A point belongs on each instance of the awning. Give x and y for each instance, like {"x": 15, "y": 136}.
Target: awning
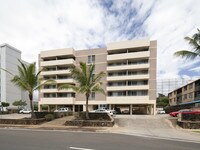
{"x": 193, "y": 102}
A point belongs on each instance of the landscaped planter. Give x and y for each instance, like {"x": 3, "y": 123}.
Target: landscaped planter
{"x": 56, "y": 114}
{"x": 189, "y": 121}
{"x": 22, "y": 121}
{"x": 96, "y": 120}
{"x": 91, "y": 123}
{"x": 189, "y": 124}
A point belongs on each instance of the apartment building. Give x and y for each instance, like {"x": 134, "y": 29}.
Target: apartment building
{"x": 130, "y": 83}
{"x": 9, "y": 60}
{"x": 187, "y": 94}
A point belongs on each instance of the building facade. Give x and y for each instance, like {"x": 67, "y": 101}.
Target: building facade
{"x": 187, "y": 94}
{"x": 130, "y": 84}
{"x": 9, "y": 57}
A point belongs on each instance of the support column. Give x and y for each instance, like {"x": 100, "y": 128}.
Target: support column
{"x": 39, "y": 107}
{"x": 73, "y": 108}
{"x": 131, "y": 109}
{"x": 48, "y": 108}
{"x": 84, "y": 108}
{"x": 56, "y": 107}
{"x": 154, "y": 109}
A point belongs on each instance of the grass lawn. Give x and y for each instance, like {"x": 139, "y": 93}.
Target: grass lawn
{"x": 197, "y": 131}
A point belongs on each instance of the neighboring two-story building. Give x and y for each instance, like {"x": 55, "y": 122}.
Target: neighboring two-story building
{"x": 130, "y": 84}
{"x": 187, "y": 94}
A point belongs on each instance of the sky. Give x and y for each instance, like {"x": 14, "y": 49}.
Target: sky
{"x": 35, "y": 25}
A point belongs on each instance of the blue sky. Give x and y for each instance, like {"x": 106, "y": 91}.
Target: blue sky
{"x": 32, "y": 26}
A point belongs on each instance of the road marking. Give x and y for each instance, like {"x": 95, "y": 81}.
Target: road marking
{"x": 78, "y": 148}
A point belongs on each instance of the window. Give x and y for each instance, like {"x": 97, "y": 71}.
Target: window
{"x": 91, "y": 59}
{"x": 132, "y": 93}
{"x": 190, "y": 86}
{"x": 185, "y": 88}
{"x": 92, "y": 96}
{"x": 185, "y": 96}
{"x": 190, "y": 95}
{"x": 48, "y": 95}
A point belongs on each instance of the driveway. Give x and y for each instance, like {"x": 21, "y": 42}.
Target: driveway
{"x": 15, "y": 116}
{"x": 157, "y": 126}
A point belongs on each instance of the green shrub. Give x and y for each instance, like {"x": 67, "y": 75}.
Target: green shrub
{"x": 49, "y": 117}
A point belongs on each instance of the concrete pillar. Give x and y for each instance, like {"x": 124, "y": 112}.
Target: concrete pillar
{"x": 39, "y": 108}
{"x": 154, "y": 109}
{"x": 56, "y": 107}
{"x": 73, "y": 108}
{"x": 110, "y": 107}
{"x": 131, "y": 109}
{"x": 48, "y": 108}
{"x": 84, "y": 107}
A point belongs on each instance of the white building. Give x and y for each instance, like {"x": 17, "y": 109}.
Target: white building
{"x": 9, "y": 93}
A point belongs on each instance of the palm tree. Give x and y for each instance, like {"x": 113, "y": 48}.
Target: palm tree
{"x": 28, "y": 80}
{"x": 194, "y": 42}
{"x": 86, "y": 81}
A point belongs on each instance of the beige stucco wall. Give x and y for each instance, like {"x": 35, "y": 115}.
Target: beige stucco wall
{"x": 100, "y": 65}
{"x": 129, "y": 44}
{"x": 57, "y": 52}
{"x": 101, "y": 59}
{"x": 152, "y": 70}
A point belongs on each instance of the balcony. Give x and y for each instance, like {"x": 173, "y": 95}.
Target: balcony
{"x": 57, "y": 100}
{"x": 124, "y": 88}
{"x": 132, "y": 55}
{"x": 127, "y": 77}
{"x": 54, "y": 72}
{"x": 55, "y": 90}
{"x": 129, "y": 100}
{"x": 57, "y": 62}
{"x": 126, "y": 67}
{"x": 70, "y": 80}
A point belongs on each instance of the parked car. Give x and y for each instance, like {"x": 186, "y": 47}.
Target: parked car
{"x": 64, "y": 109}
{"x": 117, "y": 110}
{"x": 103, "y": 111}
{"x": 161, "y": 112}
{"x": 25, "y": 111}
{"x": 126, "y": 111}
{"x": 184, "y": 111}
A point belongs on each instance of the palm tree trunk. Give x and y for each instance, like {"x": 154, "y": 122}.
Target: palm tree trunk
{"x": 31, "y": 103}
{"x": 87, "y": 114}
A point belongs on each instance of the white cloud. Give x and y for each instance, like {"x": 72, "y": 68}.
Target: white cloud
{"x": 169, "y": 22}
{"x": 32, "y": 26}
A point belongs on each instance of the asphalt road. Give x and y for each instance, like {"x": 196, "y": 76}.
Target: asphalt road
{"x": 58, "y": 140}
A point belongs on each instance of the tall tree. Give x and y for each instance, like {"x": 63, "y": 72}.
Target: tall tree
{"x": 86, "y": 81}
{"x": 28, "y": 79}
{"x": 194, "y": 42}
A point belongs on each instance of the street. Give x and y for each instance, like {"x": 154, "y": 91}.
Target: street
{"x": 59, "y": 140}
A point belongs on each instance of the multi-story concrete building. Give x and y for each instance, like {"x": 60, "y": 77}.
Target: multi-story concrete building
{"x": 130, "y": 83}
{"x": 9, "y": 60}
{"x": 187, "y": 94}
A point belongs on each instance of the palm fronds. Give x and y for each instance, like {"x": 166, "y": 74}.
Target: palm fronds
{"x": 186, "y": 54}
{"x": 194, "y": 42}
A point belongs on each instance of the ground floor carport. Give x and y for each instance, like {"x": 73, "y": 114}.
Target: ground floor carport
{"x": 142, "y": 109}
{"x": 51, "y": 108}
{"x": 146, "y": 109}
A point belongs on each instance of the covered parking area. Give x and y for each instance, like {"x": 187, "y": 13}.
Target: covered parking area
{"x": 133, "y": 109}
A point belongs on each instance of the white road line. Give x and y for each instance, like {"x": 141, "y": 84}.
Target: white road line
{"x": 78, "y": 148}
